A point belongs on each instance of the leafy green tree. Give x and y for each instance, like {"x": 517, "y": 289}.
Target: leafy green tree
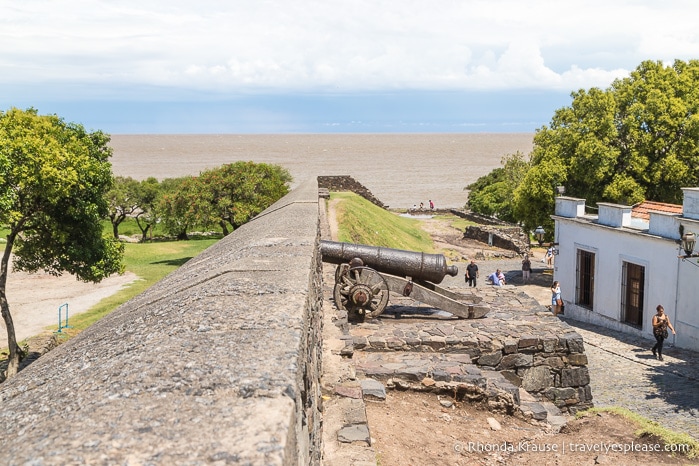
{"x": 181, "y": 206}
{"x": 53, "y": 180}
{"x": 492, "y": 194}
{"x": 123, "y": 201}
{"x": 236, "y": 192}
{"x": 146, "y": 216}
{"x": 638, "y": 139}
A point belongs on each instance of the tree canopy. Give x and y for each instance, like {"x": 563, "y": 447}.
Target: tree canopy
{"x": 636, "y": 140}
{"x": 53, "y": 180}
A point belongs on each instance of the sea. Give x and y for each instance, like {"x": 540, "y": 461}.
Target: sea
{"x": 402, "y": 170}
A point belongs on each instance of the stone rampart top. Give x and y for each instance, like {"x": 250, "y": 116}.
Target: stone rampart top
{"x": 204, "y": 367}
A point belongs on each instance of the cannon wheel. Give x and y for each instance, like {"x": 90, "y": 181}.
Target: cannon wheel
{"x": 360, "y": 290}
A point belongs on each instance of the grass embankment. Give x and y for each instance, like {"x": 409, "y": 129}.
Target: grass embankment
{"x": 361, "y": 222}
{"x": 648, "y": 428}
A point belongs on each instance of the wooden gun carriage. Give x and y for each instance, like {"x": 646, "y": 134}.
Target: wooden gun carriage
{"x": 366, "y": 275}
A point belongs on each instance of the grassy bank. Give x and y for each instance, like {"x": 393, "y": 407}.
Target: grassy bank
{"x": 360, "y": 221}
{"x": 646, "y": 428}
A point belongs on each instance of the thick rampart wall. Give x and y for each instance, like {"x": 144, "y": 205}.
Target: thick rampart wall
{"x": 219, "y": 363}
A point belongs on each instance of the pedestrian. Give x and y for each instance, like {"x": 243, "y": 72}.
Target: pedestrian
{"x": 422, "y": 206}
{"x": 661, "y": 322}
{"x": 556, "y": 301}
{"x": 526, "y": 268}
{"x": 549, "y": 257}
{"x": 471, "y": 273}
{"x": 431, "y": 205}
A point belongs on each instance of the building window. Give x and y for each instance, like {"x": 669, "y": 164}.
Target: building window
{"x": 632, "y": 286}
{"x": 585, "y": 279}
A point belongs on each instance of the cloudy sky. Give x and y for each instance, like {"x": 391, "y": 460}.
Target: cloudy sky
{"x": 250, "y": 66}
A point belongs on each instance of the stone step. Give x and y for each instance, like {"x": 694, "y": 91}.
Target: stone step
{"x": 454, "y": 373}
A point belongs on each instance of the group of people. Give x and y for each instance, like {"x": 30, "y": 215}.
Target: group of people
{"x": 661, "y": 322}
{"x": 422, "y": 205}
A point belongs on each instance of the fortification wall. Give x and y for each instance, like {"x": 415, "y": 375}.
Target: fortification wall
{"x": 347, "y": 183}
{"x": 217, "y": 363}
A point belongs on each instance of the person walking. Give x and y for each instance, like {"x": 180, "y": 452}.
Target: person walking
{"x": 471, "y": 273}
{"x": 526, "y": 268}
{"x": 556, "y": 301}
{"x": 661, "y": 322}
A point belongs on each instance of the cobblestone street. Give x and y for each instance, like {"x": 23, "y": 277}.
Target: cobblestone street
{"x": 623, "y": 372}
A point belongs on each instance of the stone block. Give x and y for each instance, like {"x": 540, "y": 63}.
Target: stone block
{"x": 512, "y": 377}
{"x": 490, "y": 359}
{"x": 354, "y": 433}
{"x": 554, "y": 362}
{"x": 510, "y": 361}
{"x": 373, "y": 389}
{"x": 577, "y": 359}
{"x": 585, "y": 394}
{"x": 560, "y": 394}
{"x": 575, "y": 377}
{"x": 534, "y": 410}
{"x": 550, "y": 344}
{"x": 510, "y": 346}
{"x": 574, "y": 342}
{"x": 527, "y": 341}
{"x": 537, "y": 378}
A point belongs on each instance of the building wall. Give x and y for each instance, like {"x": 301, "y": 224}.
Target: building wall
{"x": 668, "y": 280}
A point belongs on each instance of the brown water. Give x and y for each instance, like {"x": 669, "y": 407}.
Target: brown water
{"x": 400, "y": 169}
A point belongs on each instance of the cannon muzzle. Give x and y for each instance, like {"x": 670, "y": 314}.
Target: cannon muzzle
{"x": 417, "y": 265}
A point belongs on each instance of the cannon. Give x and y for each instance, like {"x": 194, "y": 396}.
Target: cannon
{"x": 366, "y": 275}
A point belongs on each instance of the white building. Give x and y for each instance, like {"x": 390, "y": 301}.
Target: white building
{"x": 615, "y": 268}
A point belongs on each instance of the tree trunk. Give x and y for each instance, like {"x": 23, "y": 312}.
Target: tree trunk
{"x": 115, "y": 230}
{"x": 224, "y": 227}
{"x": 144, "y": 231}
{"x": 15, "y": 351}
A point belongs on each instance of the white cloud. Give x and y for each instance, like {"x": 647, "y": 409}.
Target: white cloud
{"x": 279, "y": 45}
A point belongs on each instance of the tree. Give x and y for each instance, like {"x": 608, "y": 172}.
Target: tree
{"x": 181, "y": 205}
{"x": 146, "y": 217}
{"x": 123, "y": 201}
{"x": 637, "y": 140}
{"x": 492, "y": 194}
{"x": 236, "y": 192}
{"x": 53, "y": 180}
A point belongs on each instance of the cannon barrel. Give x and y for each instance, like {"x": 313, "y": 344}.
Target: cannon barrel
{"x": 417, "y": 265}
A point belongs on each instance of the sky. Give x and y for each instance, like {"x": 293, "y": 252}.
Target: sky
{"x": 326, "y": 66}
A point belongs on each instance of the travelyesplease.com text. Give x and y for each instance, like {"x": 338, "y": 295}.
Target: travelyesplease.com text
{"x": 567, "y": 447}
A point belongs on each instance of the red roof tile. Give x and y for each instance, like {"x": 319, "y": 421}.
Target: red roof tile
{"x": 642, "y": 209}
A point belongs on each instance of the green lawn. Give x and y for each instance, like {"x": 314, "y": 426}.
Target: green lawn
{"x": 151, "y": 262}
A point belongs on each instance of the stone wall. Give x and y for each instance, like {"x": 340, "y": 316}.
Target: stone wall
{"x": 511, "y": 238}
{"x": 218, "y": 363}
{"x": 347, "y": 183}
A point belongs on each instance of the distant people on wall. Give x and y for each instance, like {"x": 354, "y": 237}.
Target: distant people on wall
{"x": 526, "y": 268}
{"x": 471, "y": 273}
{"x": 556, "y": 300}
{"x": 422, "y": 206}
{"x": 431, "y": 205}
{"x": 661, "y": 323}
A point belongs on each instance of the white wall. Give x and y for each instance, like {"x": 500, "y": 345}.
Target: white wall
{"x": 612, "y": 247}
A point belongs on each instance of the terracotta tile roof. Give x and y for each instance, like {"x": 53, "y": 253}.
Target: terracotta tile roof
{"x": 642, "y": 209}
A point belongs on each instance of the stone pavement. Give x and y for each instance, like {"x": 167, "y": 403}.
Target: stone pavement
{"x": 624, "y": 373}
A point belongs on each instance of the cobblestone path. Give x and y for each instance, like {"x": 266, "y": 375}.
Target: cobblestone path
{"x": 623, "y": 372}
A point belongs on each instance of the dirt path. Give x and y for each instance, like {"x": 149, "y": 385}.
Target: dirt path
{"x": 35, "y": 298}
